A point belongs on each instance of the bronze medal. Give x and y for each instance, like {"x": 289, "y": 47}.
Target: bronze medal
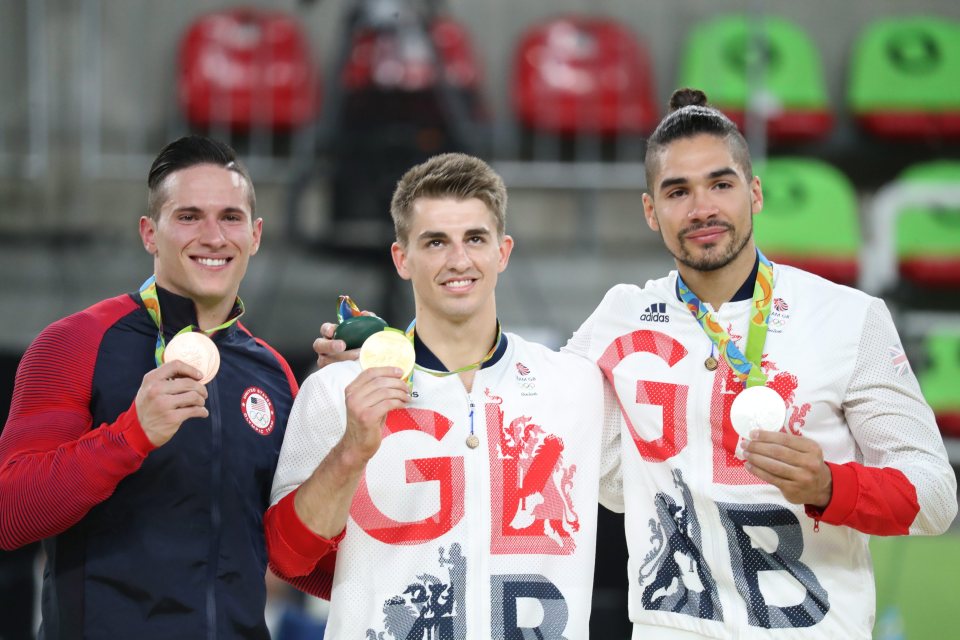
{"x": 197, "y": 350}
{"x": 710, "y": 363}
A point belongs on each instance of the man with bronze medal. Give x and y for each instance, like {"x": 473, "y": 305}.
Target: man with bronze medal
{"x": 145, "y": 430}
{"x": 446, "y": 484}
{"x": 766, "y": 432}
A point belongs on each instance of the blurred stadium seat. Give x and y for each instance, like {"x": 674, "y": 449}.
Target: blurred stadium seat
{"x": 939, "y": 379}
{"x": 246, "y": 68}
{"x": 903, "y": 78}
{"x": 916, "y": 583}
{"x": 809, "y": 217}
{"x": 580, "y": 74}
{"x": 928, "y": 238}
{"x": 725, "y": 56}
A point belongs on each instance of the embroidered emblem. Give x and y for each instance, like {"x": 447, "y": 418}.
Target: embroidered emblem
{"x": 257, "y": 410}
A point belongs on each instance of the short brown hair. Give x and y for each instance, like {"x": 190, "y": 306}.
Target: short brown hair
{"x": 449, "y": 175}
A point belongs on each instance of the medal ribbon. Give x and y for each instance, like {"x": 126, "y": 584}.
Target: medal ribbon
{"x": 347, "y": 308}
{"x": 745, "y": 367}
{"x": 148, "y": 293}
{"x": 469, "y": 367}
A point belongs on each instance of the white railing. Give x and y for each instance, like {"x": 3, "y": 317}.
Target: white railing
{"x": 878, "y": 256}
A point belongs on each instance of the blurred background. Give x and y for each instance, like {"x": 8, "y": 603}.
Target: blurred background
{"x": 851, "y": 109}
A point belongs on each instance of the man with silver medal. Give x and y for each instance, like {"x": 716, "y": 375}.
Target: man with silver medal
{"x": 766, "y": 432}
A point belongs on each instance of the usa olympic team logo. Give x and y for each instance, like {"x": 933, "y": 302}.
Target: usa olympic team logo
{"x": 257, "y": 410}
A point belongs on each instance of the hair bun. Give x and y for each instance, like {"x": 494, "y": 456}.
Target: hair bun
{"x": 686, "y": 97}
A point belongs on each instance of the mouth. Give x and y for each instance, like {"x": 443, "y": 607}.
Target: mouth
{"x": 706, "y": 235}
{"x": 211, "y": 263}
{"x": 458, "y": 284}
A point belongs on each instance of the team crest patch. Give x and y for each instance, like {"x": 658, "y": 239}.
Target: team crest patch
{"x": 779, "y": 315}
{"x": 257, "y": 410}
{"x": 526, "y": 380}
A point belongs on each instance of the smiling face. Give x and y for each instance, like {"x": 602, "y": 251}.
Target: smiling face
{"x": 453, "y": 256}
{"x": 203, "y": 236}
{"x": 702, "y": 203}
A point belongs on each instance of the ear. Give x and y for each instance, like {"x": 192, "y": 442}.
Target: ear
{"x": 506, "y": 248}
{"x": 257, "y": 231}
{"x": 148, "y": 234}
{"x": 756, "y": 195}
{"x": 399, "y": 256}
{"x": 649, "y": 213}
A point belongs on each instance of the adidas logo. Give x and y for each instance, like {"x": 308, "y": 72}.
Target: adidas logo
{"x": 656, "y": 313}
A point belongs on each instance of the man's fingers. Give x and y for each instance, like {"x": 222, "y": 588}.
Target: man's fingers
{"x": 329, "y": 351}
{"x": 327, "y": 329}
{"x": 174, "y": 387}
{"x": 765, "y": 476}
{"x": 772, "y": 467}
{"x": 779, "y": 452}
{"x": 177, "y": 369}
{"x": 375, "y": 391}
{"x": 788, "y": 440}
{"x": 328, "y": 347}
{"x": 188, "y": 399}
{"x": 183, "y": 414}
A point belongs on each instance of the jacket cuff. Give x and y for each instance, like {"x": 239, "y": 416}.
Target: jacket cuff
{"x": 843, "y": 500}
{"x": 129, "y": 425}
{"x": 298, "y": 536}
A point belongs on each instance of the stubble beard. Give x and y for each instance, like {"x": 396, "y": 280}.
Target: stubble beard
{"x": 710, "y": 260}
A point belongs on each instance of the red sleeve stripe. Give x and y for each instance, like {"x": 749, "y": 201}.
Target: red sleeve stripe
{"x": 291, "y": 379}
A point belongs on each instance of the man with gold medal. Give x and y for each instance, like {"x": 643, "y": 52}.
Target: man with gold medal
{"x": 144, "y": 431}
{"x": 766, "y": 432}
{"x": 446, "y": 485}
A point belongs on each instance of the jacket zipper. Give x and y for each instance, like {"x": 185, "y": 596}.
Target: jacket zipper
{"x": 216, "y": 473}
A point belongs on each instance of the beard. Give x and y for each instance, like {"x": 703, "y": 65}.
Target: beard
{"x": 714, "y": 256}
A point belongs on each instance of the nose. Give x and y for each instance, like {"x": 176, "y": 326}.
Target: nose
{"x": 458, "y": 257}
{"x": 211, "y": 234}
{"x": 702, "y": 207}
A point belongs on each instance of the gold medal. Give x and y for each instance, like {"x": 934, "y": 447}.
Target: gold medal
{"x": 388, "y": 348}
{"x": 473, "y": 441}
{"x": 197, "y": 350}
{"x": 710, "y": 363}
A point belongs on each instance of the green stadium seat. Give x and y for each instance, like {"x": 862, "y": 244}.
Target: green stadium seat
{"x": 809, "y": 218}
{"x": 917, "y": 585}
{"x": 940, "y": 379}
{"x": 928, "y": 238}
{"x": 720, "y": 54}
{"x": 904, "y": 78}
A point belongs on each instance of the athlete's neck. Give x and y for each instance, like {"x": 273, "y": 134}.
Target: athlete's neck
{"x": 210, "y": 317}
{"x": 719, "y": 285}
{"x": 458, "y": 343}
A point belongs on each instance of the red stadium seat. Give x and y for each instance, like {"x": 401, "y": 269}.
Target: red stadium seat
{"x": 583, "y": 75}
{"x": 247, "y": 67}
{"x": 388, "y": 61}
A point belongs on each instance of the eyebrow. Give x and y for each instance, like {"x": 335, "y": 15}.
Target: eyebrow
{"x": 195, "y": 209}
{"x": 440, "y": 235}
{"x": 713, "y": 175}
